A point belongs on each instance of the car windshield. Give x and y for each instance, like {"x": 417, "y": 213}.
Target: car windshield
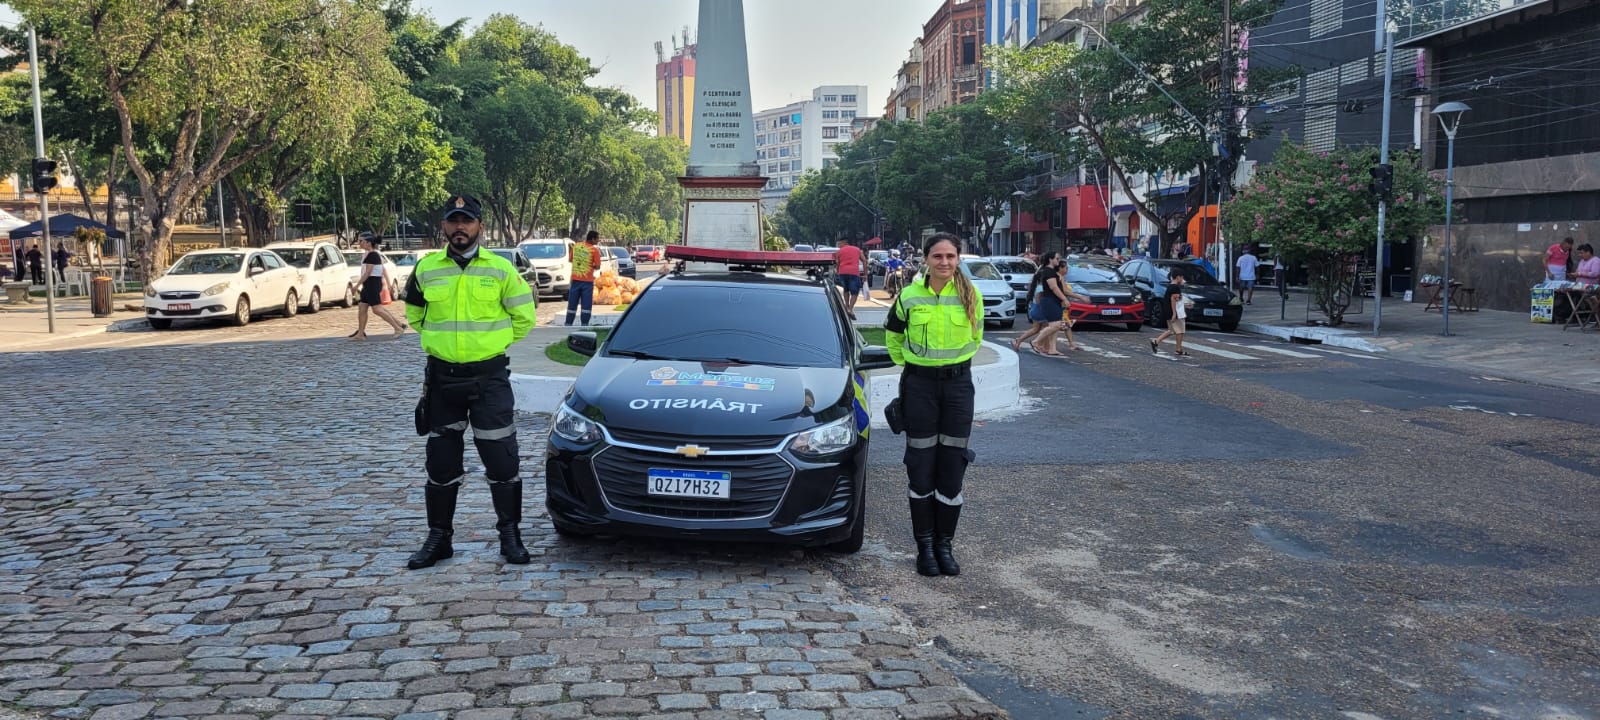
{"x": 298, "y": 257}
{"x": 354, "y": 257}
{"x": 1090, "y": 273}
{"x": 543, "y": 251}
{"x": 208, "y": 264}
{"x": 507, "y": 253}
{"x": 403, "y": 259}
{"x": 1192, "y": 274}
{"x": 1015, "y": 267}
{"x": 617, "y": 252}
{"x": 982, "y": 270}
{"x": 753, "y": 324}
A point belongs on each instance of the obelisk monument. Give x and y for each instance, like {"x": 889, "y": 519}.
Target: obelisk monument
{"x": 722, "y": 187}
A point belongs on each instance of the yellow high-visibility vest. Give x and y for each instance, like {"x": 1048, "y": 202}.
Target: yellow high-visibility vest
{"x": 470, "y": 313}
{"x": 932, "y": 329}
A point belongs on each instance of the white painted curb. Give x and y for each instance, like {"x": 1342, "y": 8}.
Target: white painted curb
{"x": 998, "y": 386}
{"x": 1332, "y": 337}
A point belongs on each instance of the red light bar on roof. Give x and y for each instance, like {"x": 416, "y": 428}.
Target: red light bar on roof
{"x": 749, "y": 258}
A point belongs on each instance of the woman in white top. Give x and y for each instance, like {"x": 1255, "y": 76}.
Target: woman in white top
{"x": 371, "y": 285}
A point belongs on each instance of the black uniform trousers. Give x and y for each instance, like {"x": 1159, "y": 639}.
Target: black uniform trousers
{"x": 476, "y": 394}
{"x": 937, "y": 406}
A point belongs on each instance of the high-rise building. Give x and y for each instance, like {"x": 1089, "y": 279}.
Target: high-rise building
{"x": 800, "y": 136}
{"x": 675, "y": 89}
{"x": 952, "y": 54}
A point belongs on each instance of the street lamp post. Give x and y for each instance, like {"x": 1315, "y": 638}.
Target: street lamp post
{"x": 876, "y": 216}
{"x": 1449, "y": 115}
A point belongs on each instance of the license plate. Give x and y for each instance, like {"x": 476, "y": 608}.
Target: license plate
{"x": 1111, "y": 311}
{"x": 178, "y": 306}
{"x": 1212, "y": 312}
{"x": 688, "y": 483}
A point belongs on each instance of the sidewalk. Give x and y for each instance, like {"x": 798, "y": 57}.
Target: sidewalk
{"x": 26, "y": 325}
{"x": 1495, "y": 343}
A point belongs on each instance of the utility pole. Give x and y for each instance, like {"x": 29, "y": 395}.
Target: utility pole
{"x": 44, "y": 197}
{"x": 1385, "y": 172}
{"x": 344, "y": 208}
{"x": 222, "y": 219}
{"x": 1224, "y": 182}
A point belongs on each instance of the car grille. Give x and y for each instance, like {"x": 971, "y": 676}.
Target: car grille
{"x": 672, "y": 440}
{"x": 991, "y": 302}
{"x": 179, "y": 295}
{"x": 195, "y": 311}
{"x": 759, "y": 482}
{"x": 1113, "y": 301}
{"x": 545, "y": 278}
{"x": 1019, "y": 286}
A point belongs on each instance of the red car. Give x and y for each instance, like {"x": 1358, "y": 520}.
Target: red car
{"x": 647, "y": 253}
{"x": 1111, "y": 299}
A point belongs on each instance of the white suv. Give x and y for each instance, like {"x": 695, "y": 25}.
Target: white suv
{"x": 324, "y": 275}
{"x": 552, "y": 269}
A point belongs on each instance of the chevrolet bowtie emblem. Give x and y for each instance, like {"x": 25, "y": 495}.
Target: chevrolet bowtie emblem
{"x": 691, "y": 451}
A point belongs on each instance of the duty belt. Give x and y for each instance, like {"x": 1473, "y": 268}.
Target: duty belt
{"x": 471, "y": 369}
{"x": 940, "y": 372}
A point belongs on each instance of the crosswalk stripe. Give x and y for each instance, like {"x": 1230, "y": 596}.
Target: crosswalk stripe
{"x": 1099, "y": 351}
{"x": 1346, "y": 354}
{"x": 1290, "y": 353}
{"x": 1219, "y": 352}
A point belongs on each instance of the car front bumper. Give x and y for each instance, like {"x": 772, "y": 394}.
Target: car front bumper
{"x": 1103, "y": 313}
{"x": 1001, "y": 311}
{"x": 1230, "y": 314}
{"x": 774, "y": 497}
{"x": 201, "y": 307}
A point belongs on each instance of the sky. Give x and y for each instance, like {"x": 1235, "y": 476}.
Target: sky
{"x": 794, "y": 45}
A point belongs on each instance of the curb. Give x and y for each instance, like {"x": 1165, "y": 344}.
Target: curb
{"x": 1325, "y": 336}
{"x": 998, "y": 387}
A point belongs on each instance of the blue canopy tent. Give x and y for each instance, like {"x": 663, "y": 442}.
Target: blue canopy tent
{"x": 62, "y": 226}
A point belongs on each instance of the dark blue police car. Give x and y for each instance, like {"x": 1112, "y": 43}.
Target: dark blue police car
{"x": 729, "y": 405}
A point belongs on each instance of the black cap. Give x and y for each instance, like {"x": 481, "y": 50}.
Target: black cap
{"x": 464, "y": 205}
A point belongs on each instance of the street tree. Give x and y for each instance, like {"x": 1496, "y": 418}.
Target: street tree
{"x": 213, "y": 85}
{"x": 819, "y": 208}
{"x": 1315, "y": 208}
{"x": 1099, "y": 107}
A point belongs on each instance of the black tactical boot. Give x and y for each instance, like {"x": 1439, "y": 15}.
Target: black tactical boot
{"x": 922, "y": 531}
{"x": 441, "y": 502}
{"x": 945, "y": 518}
{"x": 508, "y": 509}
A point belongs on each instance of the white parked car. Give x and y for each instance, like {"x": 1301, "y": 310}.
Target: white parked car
{"x": 230, "y": 283}
{"x": 1018, "y": 272}
{"x": 999, "y": 299}
{"x": 405, "y": 262}
{"x": 552, "y": 271}
{"x": 353, "y": 258}
{"x": 324, "y": 276}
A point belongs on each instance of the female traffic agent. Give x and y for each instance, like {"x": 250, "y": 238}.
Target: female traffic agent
{"x": 932, "y": 332}
{"x": 371, "y": 286}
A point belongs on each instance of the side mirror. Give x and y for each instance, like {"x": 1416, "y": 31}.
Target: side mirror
{"x": 254, "y": 271}
{"x": 583, "y": 343}
{"x": 874, "y": 357}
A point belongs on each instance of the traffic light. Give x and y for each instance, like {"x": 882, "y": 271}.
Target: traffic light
{"x": 1382, "y": 185}
{"x": 44, "y": 175}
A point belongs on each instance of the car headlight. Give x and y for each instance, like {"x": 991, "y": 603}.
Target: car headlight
{"x": 569, "y": 425}
{"x": 149, "y": 290}
{"x": 216, "y": 289}
{"x": 834, "y": 437}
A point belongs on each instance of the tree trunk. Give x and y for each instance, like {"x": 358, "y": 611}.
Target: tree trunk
{"x": 79, "y": 180}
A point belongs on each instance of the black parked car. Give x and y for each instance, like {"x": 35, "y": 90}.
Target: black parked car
{"x": 727, "y": 406}
{"x": 1213, "y": 301}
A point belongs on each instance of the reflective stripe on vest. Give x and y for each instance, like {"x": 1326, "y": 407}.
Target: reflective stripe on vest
{"x": 948, "y": 315}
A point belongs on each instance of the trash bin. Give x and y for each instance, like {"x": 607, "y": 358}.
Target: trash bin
{"x": 100, "y": 296}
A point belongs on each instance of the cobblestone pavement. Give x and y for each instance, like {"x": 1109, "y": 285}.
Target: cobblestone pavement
{"x": 220, "y": 531}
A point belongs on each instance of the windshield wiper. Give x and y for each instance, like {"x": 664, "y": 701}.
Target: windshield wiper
{"x": 636, "y": 354}
{"x": 742, "y": 361}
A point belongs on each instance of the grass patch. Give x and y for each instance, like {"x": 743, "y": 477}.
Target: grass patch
{"x": 559, "y": 352}
{"x": 873, "y": 335}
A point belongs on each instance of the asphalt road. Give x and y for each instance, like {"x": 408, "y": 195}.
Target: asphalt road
{"x": 1266, "y": 530}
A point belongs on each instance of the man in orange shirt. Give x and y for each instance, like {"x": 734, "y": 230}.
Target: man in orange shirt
{"x": 585, "y": 259}
{"x": 849, "y": 259}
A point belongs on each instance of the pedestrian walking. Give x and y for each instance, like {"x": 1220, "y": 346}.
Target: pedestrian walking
{"x": 933, "y": 330}
{"x": 468, "y": 306}
{"x": 1556, "y": 259}
{"x": 1036, "y": 290}
{"x": 60, "y": 258}
{"x": 849, "y": 262}
{"x": 19, "y": 254}
{"x": 1177, "y": 316}
{"x": 372, "y": 284}
{"x": 585, "y": 259}
{"x": 1247, "y": 264}
{"x": 36, "y": 264}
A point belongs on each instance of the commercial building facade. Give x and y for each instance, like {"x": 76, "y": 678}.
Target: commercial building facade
{"x": 801, "y": 136}
{"x": 952, "y": 54}
{"x": 675, "y": 91}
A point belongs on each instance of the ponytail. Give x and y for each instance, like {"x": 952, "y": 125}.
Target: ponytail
{"x": 964, "y": 288}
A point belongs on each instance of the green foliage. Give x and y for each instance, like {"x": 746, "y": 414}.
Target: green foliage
{"x": 1096, "y": 106}
{"x": 1315, "y": 208}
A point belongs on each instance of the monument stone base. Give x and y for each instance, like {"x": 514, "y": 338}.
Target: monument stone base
{"x": 722, "y": 212}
